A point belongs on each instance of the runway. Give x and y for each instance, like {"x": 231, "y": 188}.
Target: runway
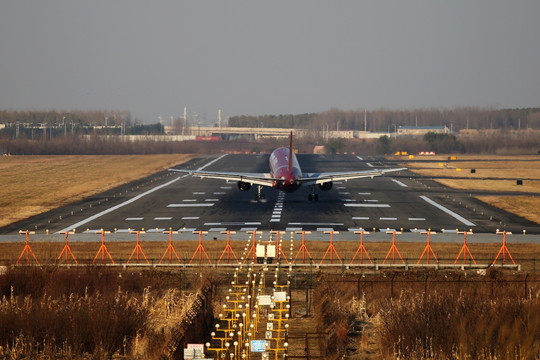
{"x": 395, "y": 202}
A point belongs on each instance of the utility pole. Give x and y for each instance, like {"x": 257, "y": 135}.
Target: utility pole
{"x": 365, "y": 120}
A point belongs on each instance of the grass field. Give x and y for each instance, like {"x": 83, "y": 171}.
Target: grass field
{"x": 503, "y": 171}
{"x": 35, "y": 184}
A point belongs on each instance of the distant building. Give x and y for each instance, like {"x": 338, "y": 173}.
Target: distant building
{"x": 422, "y": 130}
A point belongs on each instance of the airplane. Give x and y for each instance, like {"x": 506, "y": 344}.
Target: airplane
{"x": 285, "y": 175}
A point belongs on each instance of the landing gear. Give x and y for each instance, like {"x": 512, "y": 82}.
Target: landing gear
{"x": 259, "y": 197}
{"x": 313, "y": 196}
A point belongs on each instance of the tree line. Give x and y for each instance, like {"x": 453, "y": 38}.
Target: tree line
{"x": 490, "y": 131}
{"x": 456, "y": 119}
{"x": 47, "y": 125}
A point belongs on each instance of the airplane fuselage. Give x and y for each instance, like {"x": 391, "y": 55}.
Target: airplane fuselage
{"x": 284, "y": 166}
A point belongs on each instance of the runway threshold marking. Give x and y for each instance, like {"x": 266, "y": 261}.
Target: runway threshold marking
{"x": 448, "y": 211}
{"x": 133, "y": 199}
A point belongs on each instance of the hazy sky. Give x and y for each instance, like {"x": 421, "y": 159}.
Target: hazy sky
{"x": 267, "y": 57}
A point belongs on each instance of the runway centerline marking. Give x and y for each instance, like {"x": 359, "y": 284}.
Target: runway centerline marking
{"x": 448, "y": 211}
{"x": 278, "y": 208}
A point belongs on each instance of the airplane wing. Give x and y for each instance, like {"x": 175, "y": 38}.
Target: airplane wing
{"x": 263, "y": 179}
{"x": 321, "y": 178}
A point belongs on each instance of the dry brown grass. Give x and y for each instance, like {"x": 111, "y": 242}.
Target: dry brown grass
{"x": 34, "y": 184}
{"x": 496, "y": 167}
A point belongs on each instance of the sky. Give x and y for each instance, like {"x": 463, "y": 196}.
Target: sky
{"x": 153, "y": 58}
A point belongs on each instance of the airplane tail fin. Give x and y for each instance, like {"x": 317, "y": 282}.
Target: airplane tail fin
{"x": 290, "y": 155}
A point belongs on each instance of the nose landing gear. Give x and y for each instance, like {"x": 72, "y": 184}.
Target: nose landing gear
{"x": 313, "y": 196}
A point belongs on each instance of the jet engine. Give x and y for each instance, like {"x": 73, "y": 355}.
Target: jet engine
{"x": 244, "y": 186}
{"x": 326, "y": 186}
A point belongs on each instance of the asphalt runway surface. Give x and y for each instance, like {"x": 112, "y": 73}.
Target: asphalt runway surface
{"x": 170, "y": 200}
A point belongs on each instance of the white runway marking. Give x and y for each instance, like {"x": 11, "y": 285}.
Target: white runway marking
{"x": 417, "y": 219}
{"x": 364, "y": 193}
{"x": 368, "y": 205}
{"x": 369, "y": 164}
{"x": 325, "y": 229}
{"x": 211, "y": 162}
{"x": 190, "y": 218}
{"x": 399, "y": 183}
{"x": 211, "y": 200}
{"x": 190, "y": 205}
{"x": 232, "y": 223}
{"x": 199, "y": 193}
{"x": 360, "y": 158}
{"x": 189, "y": 200}
{"x": 388, "y": 218}
{"x": 314, "y": 224}
{"x": 163, "y": 218}
{"x": 134, "y": 219}
{"x": 111, "y": 209}
{"x": 278, "y": 208}
{"x": 448, "y": 211}
{"x": 225, "y": 187}
{"x": 219, "y": 193}
{"x": 360, "y": 218}
{"x": 293, "y": 229}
